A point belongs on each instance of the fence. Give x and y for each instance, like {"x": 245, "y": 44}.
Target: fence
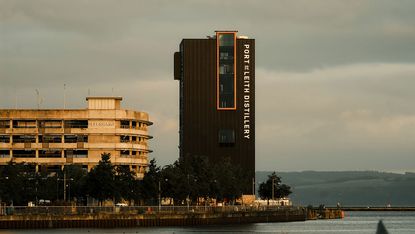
{"x": 80, "y": 210}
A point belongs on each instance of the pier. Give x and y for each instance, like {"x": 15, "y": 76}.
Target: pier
{"x": 113, "y": 217}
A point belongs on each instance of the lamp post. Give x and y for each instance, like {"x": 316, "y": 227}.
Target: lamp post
{"x": 66, "y": 186}
{"x": 57, "y": 188}
{"x": 188, "y": 192}
{"x": 273, "y": 179}
{"x": 69, "y": 187}
{"x": 160, "y": 193}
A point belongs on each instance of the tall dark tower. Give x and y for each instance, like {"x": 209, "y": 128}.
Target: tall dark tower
{"x": 217, "y": 99}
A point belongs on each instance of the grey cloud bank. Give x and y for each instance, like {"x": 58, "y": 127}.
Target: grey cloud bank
{"x": 334, "y": 78}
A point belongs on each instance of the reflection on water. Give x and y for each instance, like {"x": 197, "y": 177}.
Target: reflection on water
{"x": 354, "y": 222}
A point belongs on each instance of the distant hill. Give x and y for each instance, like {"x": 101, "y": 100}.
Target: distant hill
{"x": 350, "y": 188}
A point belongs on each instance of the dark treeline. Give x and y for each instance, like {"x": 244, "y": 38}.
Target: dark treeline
{"x": 273, "y": 188}
{"x": 185, "y": 181}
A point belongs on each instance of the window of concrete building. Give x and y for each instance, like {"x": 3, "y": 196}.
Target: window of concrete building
{"x": 124, "y": 124}
{"x": 4, "y": 138}
{"x": 124, "y": 138}
{"x": 24, "y": 123}
{"x": 50, "y": 123}
{"x": 125, "y": 152}
{"x": 80, "y": 153}
{"x": 50, "y": 153}
{"x": 76, "y": 123}
{"x": 134, "y": 138}
{"x": 24, "y": 139}
{"x": 226, "y": 137}
{"x": 82, "y": 138}
{"x": 68, "y": 153}
{"x": 75, "y": 138}
{"x": 4, "y": 153}
{"x": 142, "y": 125}
{"x": 133, "y": 124}
{"x": 76, "y": 153}
{"x": 70, "y": 139}
{"x": 24, "y": 153}
{"x": 50, "y": 139}
{"x": 4, "y": 123}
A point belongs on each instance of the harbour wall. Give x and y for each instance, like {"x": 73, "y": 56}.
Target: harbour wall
{"x": 151, "y": 219}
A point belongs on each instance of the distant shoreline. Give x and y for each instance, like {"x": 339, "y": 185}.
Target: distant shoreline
{"x": 375, "y": 208}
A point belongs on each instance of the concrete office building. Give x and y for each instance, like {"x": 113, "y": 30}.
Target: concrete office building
{"x": 49, "y": 139}
{"x": 217, "y": 98}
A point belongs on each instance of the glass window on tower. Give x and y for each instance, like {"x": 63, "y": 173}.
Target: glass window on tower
{"x": 226, "y": 70}
{"x": 226, "y": 137}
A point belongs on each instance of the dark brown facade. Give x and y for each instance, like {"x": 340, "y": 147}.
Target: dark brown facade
{"x": 217, "y": 99}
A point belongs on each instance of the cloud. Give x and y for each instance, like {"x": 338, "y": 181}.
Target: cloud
{"x": 359, "y": 111}
{"x": 334, "y": 78}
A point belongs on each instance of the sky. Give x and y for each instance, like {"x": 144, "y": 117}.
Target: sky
{"x": 334, "y": 78}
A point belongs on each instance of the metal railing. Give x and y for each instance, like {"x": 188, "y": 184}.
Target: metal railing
{"x": 79, "y": 210}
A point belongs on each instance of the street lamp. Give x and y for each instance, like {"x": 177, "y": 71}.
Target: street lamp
{"x": 188, "y": 192}
{"x": 159, "y": 196}
{"x": 160, "y": 193}
{"x": 65, "y": 186}
{"x": 69, "y": 187}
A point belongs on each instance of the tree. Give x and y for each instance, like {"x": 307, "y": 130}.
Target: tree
{"x": 227, "y": 180}
{"x": 195, "y": 177}
{"x": 150, "y": 182}
{"x": 125, "y": 184}
{"x": 199, "y": 175}
{"x": 44, "y": 186}
{"x": 75, "y": 181}
{"x": 273, "y": 184}
{"x": 17, "y": 181}
{"x": 283, "y": 191}
{"x": 100, "y": 182}
{"x": 174, "y": 182}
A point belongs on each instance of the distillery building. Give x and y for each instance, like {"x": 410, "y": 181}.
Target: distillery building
{"x": 49, "y": 139}
{"x": 217, "y": 98}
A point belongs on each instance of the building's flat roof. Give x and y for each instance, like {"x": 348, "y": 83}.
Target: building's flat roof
{"x": 226, "y": 31}
{"x": 104, "y": 97}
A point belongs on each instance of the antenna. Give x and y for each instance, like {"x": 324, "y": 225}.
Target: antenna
{"x": 15, "y": 97}
{"x": 112, "y": 91}
{"x": 37, "y": 98}
{"x": 64, "y": 96}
